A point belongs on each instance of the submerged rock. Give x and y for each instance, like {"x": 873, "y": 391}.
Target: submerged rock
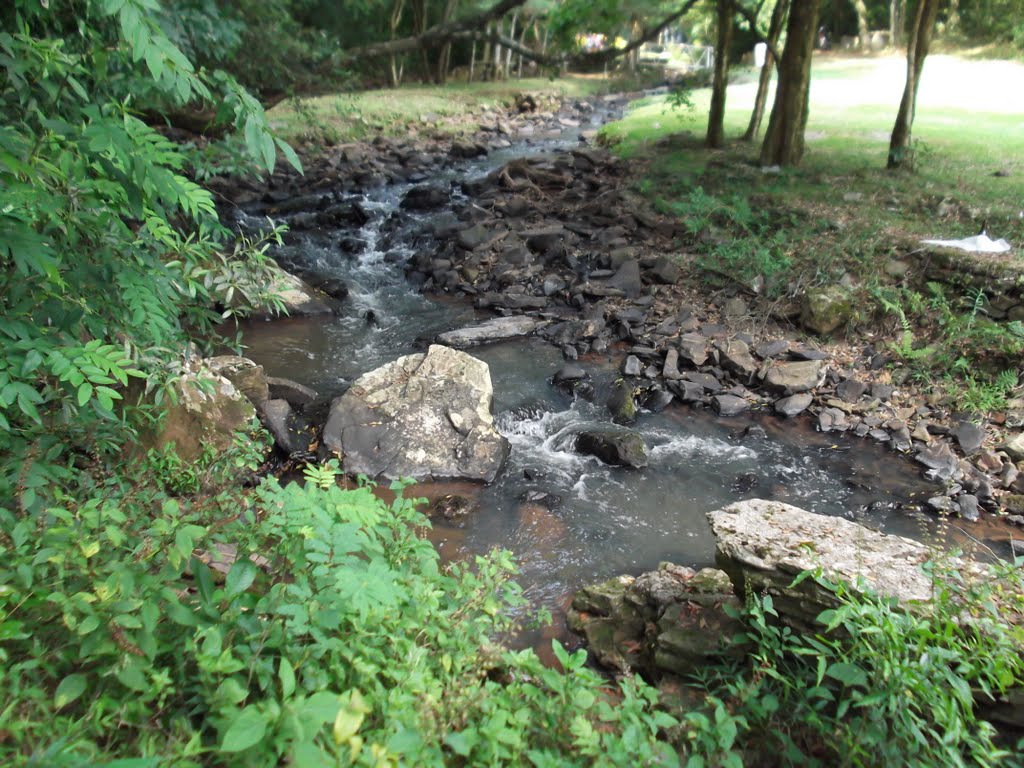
{"x": 621, "y": 449}
{"x": 424, "y": 416}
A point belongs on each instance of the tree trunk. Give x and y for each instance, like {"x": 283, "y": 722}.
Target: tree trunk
{"x": 953, "y": 20}
{"x": 917, "y": 50}
{"x": 444, "y": 58}
{"x": 395, "y": 20}
{"x": 863, "y": 34}
{"x": 715, "y": 138}
{"x": 508, "y": 53}
{"x": 897, "y": 10}
{"x": 784, "y": 139}
{"x": 774, "y": 33}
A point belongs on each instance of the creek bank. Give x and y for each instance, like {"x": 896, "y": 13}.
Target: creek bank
{"x": 674, "y": 621}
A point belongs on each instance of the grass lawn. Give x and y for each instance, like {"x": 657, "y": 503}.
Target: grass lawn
{"x": 841, "y": 216}
{"x": 394, "y": 112}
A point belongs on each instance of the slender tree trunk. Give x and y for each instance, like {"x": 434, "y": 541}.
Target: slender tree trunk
{"x": 716, "y": 117}
{"x": 512, "y": 35}
{"x": 486, "y": 57}
{"x": 863, "y": 34}
{"x": 917, "y": 50}
{"x": 472, "y": 61}
{"x": 774, "y": 33}
{"x": 444, "y": 57}
{"x": 522, "y": 42}
{"x": 394, "y": 21}
{"x": 897, "y": 12}
{"x": 784, "y": 139}
{"x": 419, "y": 25}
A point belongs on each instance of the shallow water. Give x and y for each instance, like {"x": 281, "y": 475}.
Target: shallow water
{"x": 597, "y": 521}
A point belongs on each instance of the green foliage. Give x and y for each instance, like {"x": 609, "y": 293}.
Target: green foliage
{"x": 111, "y": 258}
{"x": 975, "y": 355}
{"x": 878, "y": 684}
{"x": 310, "y": 625}
{"x": 744, "y": 245}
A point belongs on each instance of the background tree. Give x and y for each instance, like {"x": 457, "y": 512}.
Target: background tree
{"x": 770, "y": 64}
{"x": 784, "y": 139}
{"x": 917, "y": 49}
{"x": 720, "y": 80}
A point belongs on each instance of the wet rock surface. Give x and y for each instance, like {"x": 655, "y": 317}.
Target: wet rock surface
{"x": 424, "y": 416}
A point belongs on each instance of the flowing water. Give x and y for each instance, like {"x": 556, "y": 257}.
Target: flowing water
{"x": 569, "y": 519}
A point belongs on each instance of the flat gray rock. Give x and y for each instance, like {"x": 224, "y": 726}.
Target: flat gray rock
{"x": 763, "y": 545}
{"x": 496, "y": 329}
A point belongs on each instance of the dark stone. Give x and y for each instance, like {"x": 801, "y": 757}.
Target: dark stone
{"x": 969, "y": 436}
{"x": 569, "y": 373}
{"x": 621, "y": 449}
{"x": 664, "y": 270}
{"x": 295, "y": 394}
{"x": 882, "y": 391}
{"x": 705, "y": 380}
{"x": 803, "y": 352}
{"x": 834, "y": 420}
{"x": 729, "y": 405}
{"x": 851, "y": 390}
{"x": 657, "y": 399}
{"x": 939, "y": 459}
{"x": 427, "y": 197}
{"x": 290, "y": 432}
{"x": 621, "y": 403}
{"x": 473, "y": 237}
{"x": 687, "y": 391}
{"x": 693, "y": 347}
{"x": 968, "y": 506}
{"x": 670, "y": 369}
{"x": 794, "y": 404}
{"x": 631, "y": 366}
{"x": 627, "y": 279}
{"x": 769, "y": 349}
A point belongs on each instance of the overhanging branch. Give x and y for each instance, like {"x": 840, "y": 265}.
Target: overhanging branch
{"x": 436, "y": 35}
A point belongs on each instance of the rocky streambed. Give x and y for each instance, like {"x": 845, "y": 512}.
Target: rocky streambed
{"x": 627, "y": 401}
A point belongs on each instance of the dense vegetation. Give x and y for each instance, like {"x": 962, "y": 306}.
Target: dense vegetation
{"x": 154, "y": 613}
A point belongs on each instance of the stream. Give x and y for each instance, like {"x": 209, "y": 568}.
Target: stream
{"x": 569, "y": 519}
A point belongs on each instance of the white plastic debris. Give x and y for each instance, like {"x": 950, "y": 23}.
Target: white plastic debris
{"x": 978, "y": 244}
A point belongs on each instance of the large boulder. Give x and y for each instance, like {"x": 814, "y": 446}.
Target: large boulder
{"x": 424, "y": 416}
{"x": 764, "y": 545}
{"x": 248, "y": 377}
{"x": 204, "y": 415}
{"x": 667, "y": 621}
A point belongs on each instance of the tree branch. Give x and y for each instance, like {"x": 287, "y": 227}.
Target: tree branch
{"x": 751, "y": 18}
{"x": 596, "y": 57}
{"x": 436, "y": 35}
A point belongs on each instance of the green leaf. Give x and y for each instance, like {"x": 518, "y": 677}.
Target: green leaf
{"x": 84, "y": 393}
{"x": 847, "y": 674}
{"x": 462, "y": 742}
{"x": 286, "y": 674}
{"x": 240, "y": 577}
{"x": 289, "y": 155}
{"x": 70, "y": 688}
{"x": 246, "y": 730}
{"x": 350, "y": 716}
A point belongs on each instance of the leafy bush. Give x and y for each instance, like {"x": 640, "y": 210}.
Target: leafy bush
{"x": 334, "y": 637}
{"x": 111, "y": 259}
{"x": 878, "y": 684}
